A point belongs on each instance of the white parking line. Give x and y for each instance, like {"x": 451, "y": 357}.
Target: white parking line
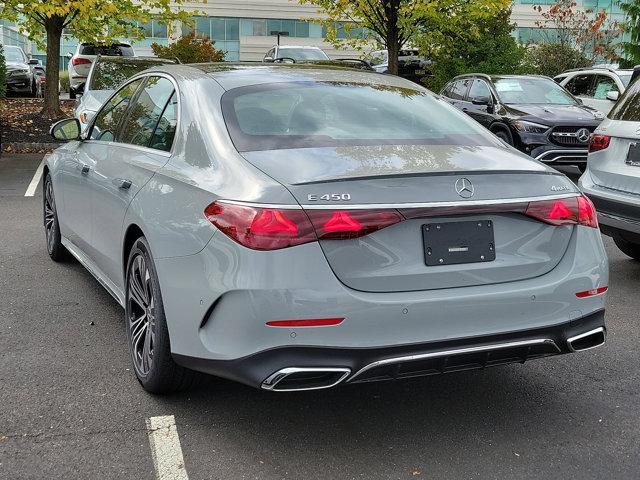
{"x": 31, "y": 189}
{"x": 165, "y": 448}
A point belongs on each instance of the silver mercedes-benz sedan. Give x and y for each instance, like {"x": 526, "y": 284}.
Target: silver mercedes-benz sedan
{"x": 296, "y": 227}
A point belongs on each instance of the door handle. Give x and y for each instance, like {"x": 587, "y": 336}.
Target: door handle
{"x": 122, "y": 183}
{"x": 84, "y": 169}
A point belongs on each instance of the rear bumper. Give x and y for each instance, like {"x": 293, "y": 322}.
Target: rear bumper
{"x": 360, "y": 365}
{"x": 618, "y": 213}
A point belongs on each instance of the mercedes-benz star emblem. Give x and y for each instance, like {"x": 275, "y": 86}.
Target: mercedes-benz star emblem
{"x": 583, "y": 135}
{"x": 464, "y": 187}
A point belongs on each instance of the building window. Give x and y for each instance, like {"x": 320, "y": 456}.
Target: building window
{"x": 216, "y": 28}
{"x": 154, "y": 29}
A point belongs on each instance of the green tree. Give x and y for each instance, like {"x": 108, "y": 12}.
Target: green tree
{"x": 3, "y": 73}
{"x": 95, "y": 21}
{"x": 393, "y": 23}
{"x": 552, "y": 59}
{"x": 493, "y": 51}
{"x": 190, "y": 48}
{"x": 631, "y": 49}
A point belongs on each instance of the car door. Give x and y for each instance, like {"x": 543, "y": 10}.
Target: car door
{"x": 480, "y": 102}
{"x": 604, "y": 84}
{"x": 582, "y": 86}
{"x": 139, "y": 150}
{"x": 79, "y": 177}
{"x": 456, "y": 92}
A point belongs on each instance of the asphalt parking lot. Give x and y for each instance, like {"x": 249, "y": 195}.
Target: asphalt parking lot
{"x": 71, "y": 408}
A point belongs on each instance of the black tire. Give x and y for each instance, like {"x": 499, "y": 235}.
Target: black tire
{"x": 504, "y": 134}
{"x": 56, "y": 250}
{"x": 72, "y": 93}
{"x": 147, "y": 331}
{"x": 34, "y": 89}
{"x": 628, "y": 248}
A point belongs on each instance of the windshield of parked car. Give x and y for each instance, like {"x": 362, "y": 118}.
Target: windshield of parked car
{"x": 13, "y": 55}
{"x": 323, "y": 114}
{"x": 110, "y": 50}
{"x": 544, "y": 91}
{"x": 108, "y": 75}
{"x": 302, "y": 54}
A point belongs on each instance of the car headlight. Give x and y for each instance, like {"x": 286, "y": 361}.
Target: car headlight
{"x": 530, "y": 127}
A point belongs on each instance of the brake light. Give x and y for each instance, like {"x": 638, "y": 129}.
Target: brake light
{"x": 598, "y": 142}
{"x": 271, "y": 229}
{"x": 565, "y": 211}
{"x": 315, "y": 322}
{"x": 79, "y": 61}
{"x": 592, "y": 293}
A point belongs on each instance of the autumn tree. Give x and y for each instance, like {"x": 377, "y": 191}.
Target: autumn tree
{"x": 94, "y": 21}
{"x": 427, "y": 24}
{"x": 591, "y": 33}
{"x": 190, "y": 48}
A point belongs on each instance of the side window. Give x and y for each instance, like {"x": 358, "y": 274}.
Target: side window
{"x": 165, "y": 131}
{"x": 581, "y": 85}
{"x": 145, "y": 113}
{"x": 604, "y": 85}
{"x": 107, "y": 121}
{"x": 479, "y": 90}
{"x": 459, "y": 89}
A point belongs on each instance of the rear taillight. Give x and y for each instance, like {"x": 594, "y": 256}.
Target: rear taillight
{"x": 271, "y": 228}
{"x": 565, "y": 211}
{"x": 598, "y": 142}
{"x": 80, "y": 61}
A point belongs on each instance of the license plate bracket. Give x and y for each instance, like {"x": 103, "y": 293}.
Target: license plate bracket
{"x": 633, "y": 156}
{"x": 454, "y": 243}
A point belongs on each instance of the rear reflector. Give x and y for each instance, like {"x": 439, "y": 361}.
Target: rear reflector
{"x": 80, "y": 61}
{"x": 315, "y": 322}
{"x": 565, "y": 211}
{"x": 592, "y": 293}
{"x": 598, "y": 142}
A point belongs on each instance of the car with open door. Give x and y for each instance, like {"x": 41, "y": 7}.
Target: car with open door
{"x": 296, "y": 227}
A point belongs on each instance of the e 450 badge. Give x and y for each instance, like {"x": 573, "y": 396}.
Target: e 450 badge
{"x": 330, "y": 197}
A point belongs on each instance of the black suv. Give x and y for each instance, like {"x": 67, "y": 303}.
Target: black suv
{"x": 532, "y": 113}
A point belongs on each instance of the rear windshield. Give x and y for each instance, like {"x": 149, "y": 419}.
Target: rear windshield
{"x": 108, "y": 75}
{"x": 542, "y": 91}
{"x": 302, "y": 54}
{"x": 628, "y": 107}
{"x": 110, "y": 50}
{"x": 311, "y": 114}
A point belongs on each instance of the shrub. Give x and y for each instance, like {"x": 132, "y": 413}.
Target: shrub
{"x": 3, "y": 74}
{"x": 190, "y": 48}
{"x": 63, "y": 76}
{"x": 553, "y": 58}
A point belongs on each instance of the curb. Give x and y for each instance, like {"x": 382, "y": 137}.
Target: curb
{"x": 28, "y": 147}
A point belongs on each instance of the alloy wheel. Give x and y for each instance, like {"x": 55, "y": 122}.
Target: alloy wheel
{"x": 49, "y": 217}
{"x": 141, "y": 318}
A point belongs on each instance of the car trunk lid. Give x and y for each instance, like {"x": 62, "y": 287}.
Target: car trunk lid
{"x": 425, "y": 186}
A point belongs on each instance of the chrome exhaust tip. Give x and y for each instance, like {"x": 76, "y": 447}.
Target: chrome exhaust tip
{"x": 587, "y": 340}
{"x": 298, "y": 379}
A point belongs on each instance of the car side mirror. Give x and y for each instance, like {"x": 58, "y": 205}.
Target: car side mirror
{"x": 67, "y": 129}
{"x": 268, "y": 59}
{"x": 613, "y": 95}
{"x": 482, "y": 101}
{"x": 34, "y": 61}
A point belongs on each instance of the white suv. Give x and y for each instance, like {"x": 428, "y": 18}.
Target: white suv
{"x": 598, "y": 87}
{"x": 612, "y": 178}
{"x": 80, "y": 62}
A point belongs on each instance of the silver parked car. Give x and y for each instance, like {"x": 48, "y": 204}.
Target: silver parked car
{"x": 612, "y": 178}
{"x": 295, "y": 227}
